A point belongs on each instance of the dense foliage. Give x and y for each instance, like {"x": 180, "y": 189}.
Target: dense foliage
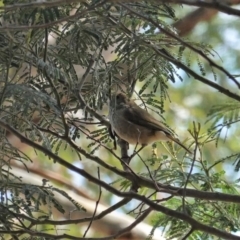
{"x": 60, "y": 61}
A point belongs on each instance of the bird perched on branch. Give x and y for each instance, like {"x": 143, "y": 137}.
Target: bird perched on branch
{"x": 135, "y": 125}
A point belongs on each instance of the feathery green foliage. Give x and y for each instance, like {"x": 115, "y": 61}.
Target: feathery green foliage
{"x": 59, "y": 63}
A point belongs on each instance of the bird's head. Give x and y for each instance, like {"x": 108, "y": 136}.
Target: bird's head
{"x": 118, "y": 100}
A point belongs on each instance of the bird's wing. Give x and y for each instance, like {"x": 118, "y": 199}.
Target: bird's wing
{"x": 134, "y": 114}
{"x": 140, "y": 117}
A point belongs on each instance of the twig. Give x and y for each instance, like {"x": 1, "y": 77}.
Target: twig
{"x": 140, "y": 205}
{"x": 174, "y": 36}
{"x": 182, "y": 66}
{"x": 103, "y": 120}
{"x": 48, "y": 25}
{"x": 142, "y": 181}
{"x": 188, "y": 234}
{"x": 46, "y": 45}
{"x": 53, "y": 3}
{"x": 150, "y": 174}
{"x": 195, "y": 135}
{"x": 218, "y": 5}
{"x": 85, "y": 75}
{"x": 131, "y": 226}
{"x": 97, "y": 202}
{"x": 179, "y": 215}
{"x": 66, "y": 128}
{"x": 74, "y": 221}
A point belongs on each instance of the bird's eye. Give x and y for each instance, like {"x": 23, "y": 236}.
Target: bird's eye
{"x": 118, "y": 97}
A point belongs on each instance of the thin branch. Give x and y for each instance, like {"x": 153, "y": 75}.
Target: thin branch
{"x": 219, "y": 5}
{"x": 118, "y": 234}
{"x": 66, "y": 128}
{"x": 39, "y": 4}
{"x": 51, "y": 24}
{"x": 134, "y": 210}
{"x": 174, "y": 36}
{"x": 72, "y": 144}
{"x": 131, "y": 226}
{"x": 150, "y": 174}
{"x": 195, "y": 135}
{"x": 74, "y": 221}
{"x": 188, "y": 234}
{"x": 179, "y": 215}
{"x": 84, "y": 77}
{"x": 188, "y": 22}
{"x": 97, "y": 202}
{"x": 45, "y": 45}
{"x": 103, "y": 120}
{"x": 142, "y": 181}
{"x": 198, "y": 77}
{"x": 53, "y": 177}
{"x": 178, "y": 63}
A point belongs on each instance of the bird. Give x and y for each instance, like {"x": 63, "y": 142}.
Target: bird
{"x": 135, "y": 125}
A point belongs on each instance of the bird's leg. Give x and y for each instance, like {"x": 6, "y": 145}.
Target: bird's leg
{"x": 143, "y": 145}
{"x": 136, "y": 152}
{"x": 135, "y": 147}
{"x": 124, "y": 152}
{"x": 125, "y": 160}
{"x": 113, "y": 135}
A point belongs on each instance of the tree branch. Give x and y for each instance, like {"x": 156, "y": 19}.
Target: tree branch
{"x": 179, "y": 215}
{"x": 142, "y": 181}
{"x": 220, "y": 5}
{"x": 51, "y": 24}
{"x": 174, "y": 36}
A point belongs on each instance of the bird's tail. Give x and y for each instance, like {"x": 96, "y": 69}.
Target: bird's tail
{"x": 179, "y": 143}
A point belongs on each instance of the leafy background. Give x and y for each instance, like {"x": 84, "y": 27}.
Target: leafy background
{"x": 101, "y": 46}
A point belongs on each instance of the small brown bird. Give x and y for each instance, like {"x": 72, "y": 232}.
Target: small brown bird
{"x": 135, "y": 125}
